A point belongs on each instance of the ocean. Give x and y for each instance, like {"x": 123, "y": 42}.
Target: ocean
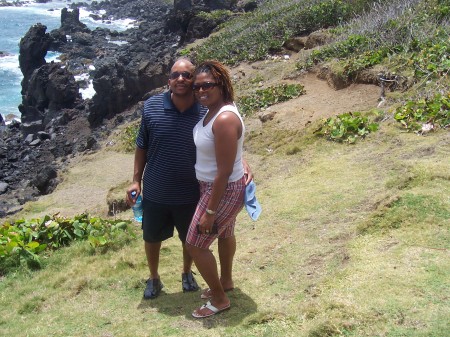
{"x": 14, "y": 24}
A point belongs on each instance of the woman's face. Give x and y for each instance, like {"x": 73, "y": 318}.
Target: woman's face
{"x": 207, "y": 91}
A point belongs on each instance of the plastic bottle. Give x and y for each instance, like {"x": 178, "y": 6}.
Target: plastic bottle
{"x": 137, "y": 207}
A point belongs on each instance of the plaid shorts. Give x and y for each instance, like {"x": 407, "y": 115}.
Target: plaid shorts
{"x": 229, "y": 207}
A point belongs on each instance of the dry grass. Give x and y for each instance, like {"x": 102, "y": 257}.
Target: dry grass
{"x": 303, "y": 269}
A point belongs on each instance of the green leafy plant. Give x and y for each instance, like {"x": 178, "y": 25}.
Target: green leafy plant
{"x": 432, "y": 60}
{"x": 354, "y": 44}
{"x": 347, "y": 127}
{"x": 264, "y": 98}
{"x": 23, "y": 240}
{"x": 434, "y": 111}
{"x": 215, "y": 15}
{"x": 129, "y": 136}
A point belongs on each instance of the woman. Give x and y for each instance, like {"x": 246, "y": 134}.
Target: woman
{"x": 218, "y": 137}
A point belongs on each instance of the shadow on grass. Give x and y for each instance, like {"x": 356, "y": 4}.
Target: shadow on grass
{"x": 177, "y": 304}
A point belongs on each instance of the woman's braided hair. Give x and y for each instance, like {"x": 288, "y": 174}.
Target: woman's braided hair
{"x": 221, "y": 76}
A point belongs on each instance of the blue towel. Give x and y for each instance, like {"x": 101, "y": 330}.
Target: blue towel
{"x": 251, "y": 204}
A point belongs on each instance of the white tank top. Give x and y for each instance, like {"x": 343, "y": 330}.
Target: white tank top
{"x": 206, "y": 165}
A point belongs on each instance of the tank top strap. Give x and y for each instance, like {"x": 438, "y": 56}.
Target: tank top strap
{"x": 228, "y": 107}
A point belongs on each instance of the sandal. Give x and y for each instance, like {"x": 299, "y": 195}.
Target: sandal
{"x": 213, "y": 310}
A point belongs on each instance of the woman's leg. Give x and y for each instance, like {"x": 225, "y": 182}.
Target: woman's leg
{"x": 207, "y": 266}
{"x": 227, "y": 249}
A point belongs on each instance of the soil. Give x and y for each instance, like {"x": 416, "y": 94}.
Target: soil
{"x": 88, "y": 178}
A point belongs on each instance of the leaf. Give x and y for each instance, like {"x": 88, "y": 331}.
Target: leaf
{"x": 32, "y": 245}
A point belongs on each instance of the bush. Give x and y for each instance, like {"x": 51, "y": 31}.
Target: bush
{"x": 347, "y": 127}
{"x": 264, "y": 98}
{"x": 22, "y": 241}
{"x": 425, "y": 113}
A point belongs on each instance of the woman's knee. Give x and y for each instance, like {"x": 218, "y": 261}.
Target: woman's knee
{"x": 193, "y": 250}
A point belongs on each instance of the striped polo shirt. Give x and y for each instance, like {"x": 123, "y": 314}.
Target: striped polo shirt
{"x": 166, "y": 134}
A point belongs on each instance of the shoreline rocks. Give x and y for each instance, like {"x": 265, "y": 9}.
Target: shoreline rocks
{"x": 57, "y": 123}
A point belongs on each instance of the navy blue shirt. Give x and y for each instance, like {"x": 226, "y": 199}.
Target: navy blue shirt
{"x": 166, "y": 134}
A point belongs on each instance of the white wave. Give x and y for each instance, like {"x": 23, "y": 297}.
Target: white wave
{"x": 10, "y": 63}
{"x": 119, "y": 43}
{"x": 33, "y": 8}
{"x": 88, "y": 92}
{"x": 119, "y": 24}
{"x": 52, "y": 56}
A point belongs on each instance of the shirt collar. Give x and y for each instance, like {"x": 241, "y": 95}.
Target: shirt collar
{"x": 168, "y": 105}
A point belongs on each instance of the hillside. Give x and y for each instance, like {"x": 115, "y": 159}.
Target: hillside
{"x": 353, "y": 239}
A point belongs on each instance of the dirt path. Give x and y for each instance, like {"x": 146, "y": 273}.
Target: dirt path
{"x": 319, "y": 101}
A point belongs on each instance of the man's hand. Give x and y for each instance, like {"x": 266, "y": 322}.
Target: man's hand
{"x": 135, "y": 186}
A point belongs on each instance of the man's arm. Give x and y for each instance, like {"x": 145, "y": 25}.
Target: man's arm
{"x": 140, "y": 159}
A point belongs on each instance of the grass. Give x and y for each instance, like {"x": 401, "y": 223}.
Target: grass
{"x": 352, "y": 241}
{"x": 308, "y": 267}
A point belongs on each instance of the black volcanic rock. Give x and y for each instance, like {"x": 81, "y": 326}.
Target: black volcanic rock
{"x": 57, "y": 123}
{"x": 70, "y": 21}
{"x": 51, "y": 88}
{"x": 33, "y": 48}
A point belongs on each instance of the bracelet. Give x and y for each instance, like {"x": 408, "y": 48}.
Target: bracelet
{"x": 210, "y": 212}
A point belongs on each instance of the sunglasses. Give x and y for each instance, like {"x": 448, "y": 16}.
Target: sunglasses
{"x": 176, "y": 74}
{"x": 204, "y": 86}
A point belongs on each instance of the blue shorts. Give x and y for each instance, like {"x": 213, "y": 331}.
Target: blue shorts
{"x": 159, "y": 220}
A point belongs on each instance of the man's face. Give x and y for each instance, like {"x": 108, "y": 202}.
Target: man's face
{"x": 180, "y": 78}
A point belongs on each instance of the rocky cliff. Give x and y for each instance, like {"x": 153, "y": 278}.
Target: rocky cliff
{"x": 125, "y": 68}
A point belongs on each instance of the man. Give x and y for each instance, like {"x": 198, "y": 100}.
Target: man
{"x": 165, "y": 149}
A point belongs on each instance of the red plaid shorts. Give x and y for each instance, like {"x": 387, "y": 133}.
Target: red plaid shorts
{"x": 229, "y": 207}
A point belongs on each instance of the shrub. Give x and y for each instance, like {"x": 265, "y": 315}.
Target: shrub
{"x": 264, "y": 98}
{"x": 129, "y": 136}
{"x": 23, "y": 240}
{"x": 347, "y": 127}
{"x": 433, "y": 112}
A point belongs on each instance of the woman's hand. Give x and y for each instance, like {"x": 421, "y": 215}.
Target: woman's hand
{"x": 248, "y": 174}
{"x": 205, "y": 224}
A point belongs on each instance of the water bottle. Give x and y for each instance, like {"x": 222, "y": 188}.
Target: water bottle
{"x": 137, "y": 207}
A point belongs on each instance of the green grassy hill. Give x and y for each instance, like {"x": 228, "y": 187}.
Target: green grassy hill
{"x": 354, "y": 237}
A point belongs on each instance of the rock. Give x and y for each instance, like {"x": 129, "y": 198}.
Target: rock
{"x": 317, "y": 38}
{"x": 51, "y": 89}
{"x": 35, "y": 142}
{"x": 60, "y": 122}
{"x": 70, "y": 21}
{"x": 3, "y": 187}
{"x": 33, "y": 48}
{"x": 43, "y": 180}
{"x": 29, "y": 138}
{"x": 295, "y": 44}
{"x": 43, "y": 135}
{"x": 267, "y": 115}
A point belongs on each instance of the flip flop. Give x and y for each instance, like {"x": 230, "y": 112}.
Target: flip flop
{"x": 206, "y": 294}
{"x": 211, "y": 308}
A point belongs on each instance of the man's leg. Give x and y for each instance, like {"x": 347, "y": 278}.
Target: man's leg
{"x": 152, "y": 250}
{"x": 227, "y": 249}
{"x": 187, "y": 278}
{"x": 154, "y": 285}
{"x": 182, "y": 216}
{"x": 187, "y": 259}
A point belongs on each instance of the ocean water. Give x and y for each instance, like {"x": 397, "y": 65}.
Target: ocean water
{"x": 14, "y": 23}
